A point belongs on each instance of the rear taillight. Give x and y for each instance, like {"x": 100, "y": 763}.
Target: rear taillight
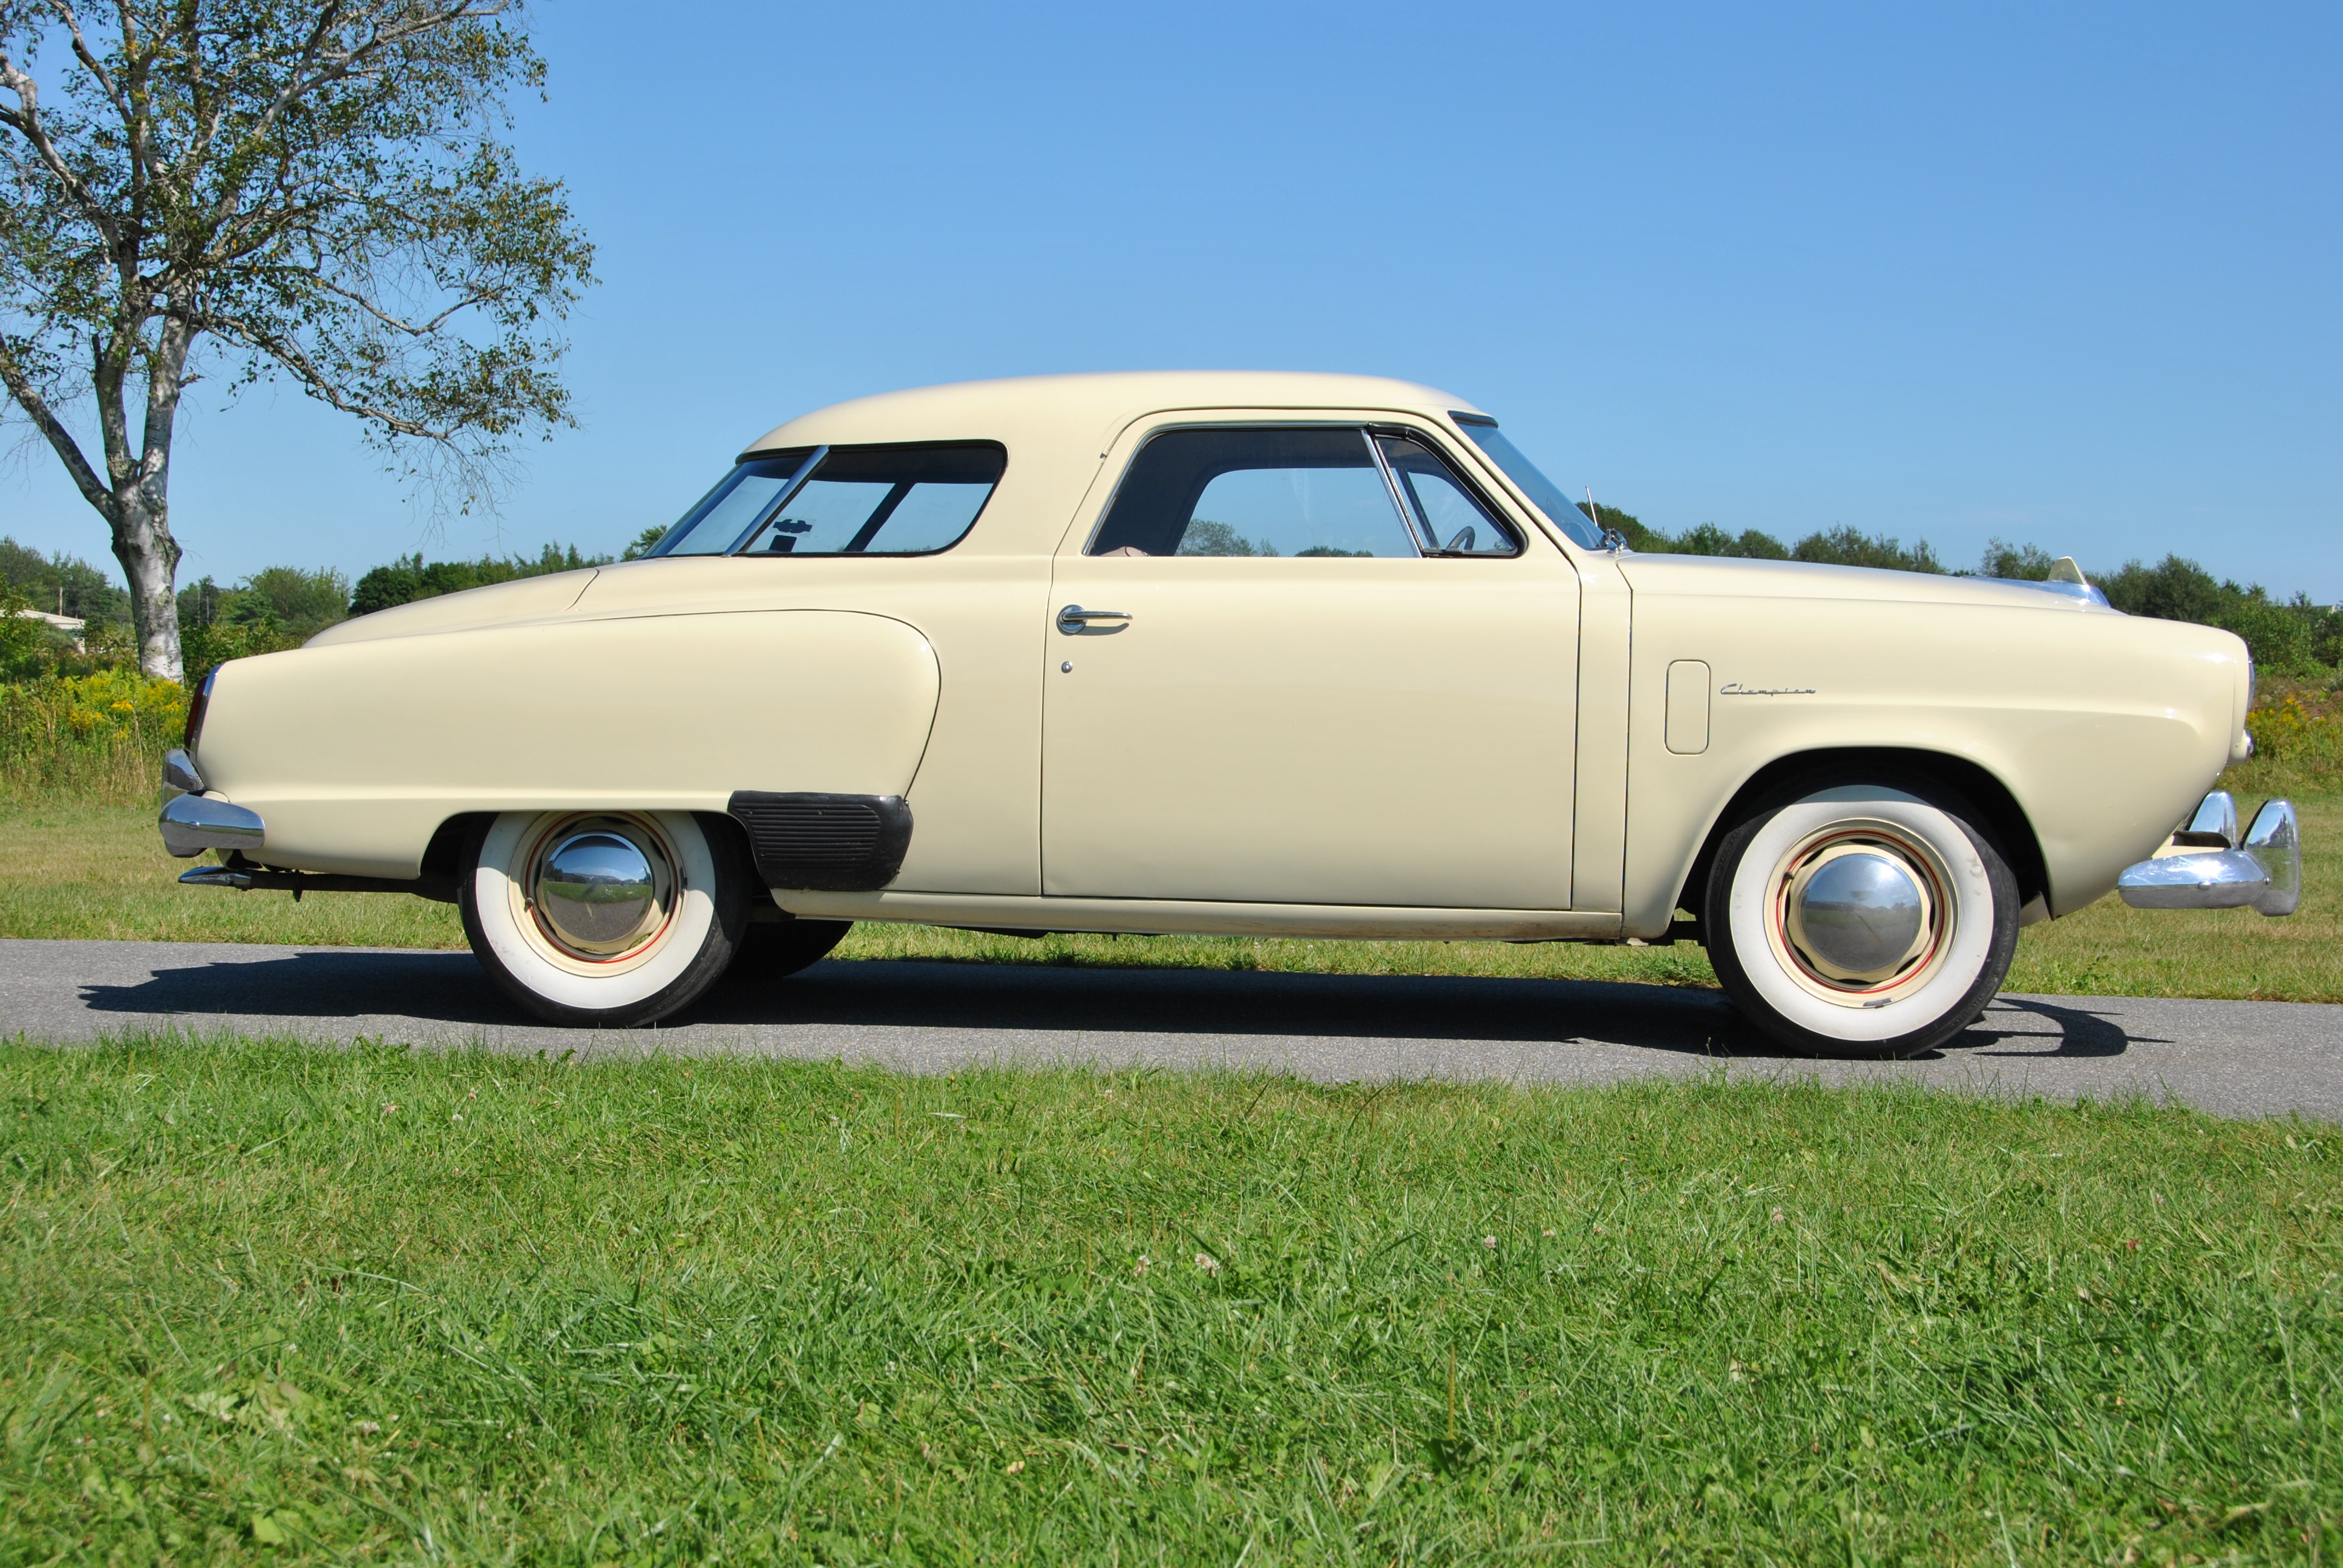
{"x": 196, "y": 711}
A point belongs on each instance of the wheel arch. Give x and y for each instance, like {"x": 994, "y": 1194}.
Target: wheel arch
{"x": 2003, "y": 819}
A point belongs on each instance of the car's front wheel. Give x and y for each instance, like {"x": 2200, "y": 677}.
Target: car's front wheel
{"x": 604, "y": 919}
{"x": 1860, "y": 919}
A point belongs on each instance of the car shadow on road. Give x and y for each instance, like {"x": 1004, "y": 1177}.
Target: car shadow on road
{"x": 2068, "y": 1028}
{"x": 1035, "y": 997}
{"x": 450, "y": 989}
{"x": 301, "y": 983}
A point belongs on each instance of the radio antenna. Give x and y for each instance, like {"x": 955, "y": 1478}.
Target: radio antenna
{"x": 1613, "y": 539}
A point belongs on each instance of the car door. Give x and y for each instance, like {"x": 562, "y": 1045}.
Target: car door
{"x": 1308, "y": 663}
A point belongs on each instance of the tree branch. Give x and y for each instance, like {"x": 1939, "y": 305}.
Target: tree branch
{"x": 25, "y": 119}
{"x": 321, "y": 386}
{"x": 68, "y": 450}
{"x": 134, "y": 125}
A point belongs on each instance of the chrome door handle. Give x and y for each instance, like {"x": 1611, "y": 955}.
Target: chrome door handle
{"x": 1074, "y": 620}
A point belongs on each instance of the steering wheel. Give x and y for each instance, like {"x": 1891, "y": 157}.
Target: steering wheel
{"x": 1463, "y": 541}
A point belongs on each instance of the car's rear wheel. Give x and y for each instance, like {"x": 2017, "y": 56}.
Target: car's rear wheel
{"x": 1861, "y": 920}
{"x": 605, "y": 919}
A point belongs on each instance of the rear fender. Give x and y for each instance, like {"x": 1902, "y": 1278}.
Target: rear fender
{"x": 355, "y": 753}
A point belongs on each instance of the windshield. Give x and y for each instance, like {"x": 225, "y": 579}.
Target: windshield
{"x": 1544, "y": 493}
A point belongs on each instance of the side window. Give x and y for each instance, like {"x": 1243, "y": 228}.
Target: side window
{"x": 857, "y": 501}
{"x": 1246, "y": 491}
{"x": 1449, "y": 518}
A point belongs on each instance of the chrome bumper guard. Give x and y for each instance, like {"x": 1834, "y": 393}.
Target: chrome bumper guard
{"x": 2208, "y": 866}
{"x": 192, "y": 823}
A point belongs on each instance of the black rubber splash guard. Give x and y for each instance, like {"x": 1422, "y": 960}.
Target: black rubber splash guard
{"x": 824, "y": 843}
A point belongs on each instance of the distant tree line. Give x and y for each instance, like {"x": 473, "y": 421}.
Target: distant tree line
{"x": 2288, "y": 637}
{"x": 274, "y": 609}
{"x": 282, "y": 607}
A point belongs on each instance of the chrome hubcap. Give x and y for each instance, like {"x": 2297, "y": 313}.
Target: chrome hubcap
{"x": 601, "y": 891}
{"x": 1860, "y": 914}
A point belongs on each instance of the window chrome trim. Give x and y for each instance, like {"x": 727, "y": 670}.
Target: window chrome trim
{"x": 1416, "y": 521}
{"x": 1408, "y": 518}
{"x": 787, "y": 494}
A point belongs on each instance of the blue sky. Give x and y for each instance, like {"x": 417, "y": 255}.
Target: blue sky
{"x": 2067, "y": 275}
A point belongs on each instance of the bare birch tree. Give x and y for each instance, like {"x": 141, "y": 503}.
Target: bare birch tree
{"x": 309, "y": 191}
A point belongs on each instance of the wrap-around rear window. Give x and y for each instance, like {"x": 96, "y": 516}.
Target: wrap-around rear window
{"x": 889, "y": 500}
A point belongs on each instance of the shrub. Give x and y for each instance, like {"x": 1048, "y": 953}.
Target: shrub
{"x": 203, "y": 648}
{"x": 2290, "y": 638}
{"x": 1848, "y": 546}
{"x": 2297, "y": 727}
{"x": 2026, "y": 563}
{"x": 1708, "y": 539}
{"x": 1834, "y": 547}
{"x": 409, "y": 578}
{"x": 97, "y": 736}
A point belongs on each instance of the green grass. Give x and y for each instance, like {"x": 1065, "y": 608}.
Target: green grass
{"x": 75, "y": 870}
{"x": 274, "y": 1302}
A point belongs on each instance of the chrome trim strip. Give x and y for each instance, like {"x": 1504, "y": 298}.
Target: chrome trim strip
{"x": 193, "y": 823}
{"x": 1409, "y": 519}
{"x": 788, "y": 493}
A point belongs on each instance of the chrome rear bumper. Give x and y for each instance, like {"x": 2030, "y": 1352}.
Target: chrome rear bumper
{"x": 2208, "y": 866}
{"x": 192, "y": 822}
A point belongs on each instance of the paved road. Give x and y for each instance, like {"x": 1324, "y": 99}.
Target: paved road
{"x": 2233, "y": 1058}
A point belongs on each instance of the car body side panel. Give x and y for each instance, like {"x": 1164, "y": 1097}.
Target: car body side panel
{"x": 354, "y": 753}
{"x": 2106, "y": 729}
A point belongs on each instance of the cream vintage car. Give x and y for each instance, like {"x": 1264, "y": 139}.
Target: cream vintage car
{"x": 1291, "y": 655}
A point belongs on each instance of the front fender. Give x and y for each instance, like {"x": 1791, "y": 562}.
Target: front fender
{"x": 2104, "y": 730}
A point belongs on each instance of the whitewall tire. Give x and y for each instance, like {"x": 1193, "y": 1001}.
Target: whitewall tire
{"x": 1861, "y": 920}
{"x": 604, "y": 919}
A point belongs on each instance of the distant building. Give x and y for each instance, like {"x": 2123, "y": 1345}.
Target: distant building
{"x": 70, "y": 624}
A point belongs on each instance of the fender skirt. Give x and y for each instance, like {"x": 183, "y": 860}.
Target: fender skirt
{"x": 825, "y": 843}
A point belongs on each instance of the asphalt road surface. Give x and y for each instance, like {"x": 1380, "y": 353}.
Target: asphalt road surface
{"x": 2230, "y": 1058}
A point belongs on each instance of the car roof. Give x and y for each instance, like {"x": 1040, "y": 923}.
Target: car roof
{"x": 1090, "y": 405}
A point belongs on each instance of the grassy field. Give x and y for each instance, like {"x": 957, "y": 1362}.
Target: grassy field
{"x": 74, "y": 870}
{"x": 277, "y": 1304}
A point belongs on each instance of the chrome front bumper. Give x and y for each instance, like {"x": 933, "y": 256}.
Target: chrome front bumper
{"x": 192, "y": 822}
{"x": 2208, "y": 866}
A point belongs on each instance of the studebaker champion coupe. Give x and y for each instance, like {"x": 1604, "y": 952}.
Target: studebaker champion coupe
{"x": 1310, "y": 656}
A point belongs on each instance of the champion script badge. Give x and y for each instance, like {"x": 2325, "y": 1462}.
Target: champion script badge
{"x": 1734, "y": 689}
